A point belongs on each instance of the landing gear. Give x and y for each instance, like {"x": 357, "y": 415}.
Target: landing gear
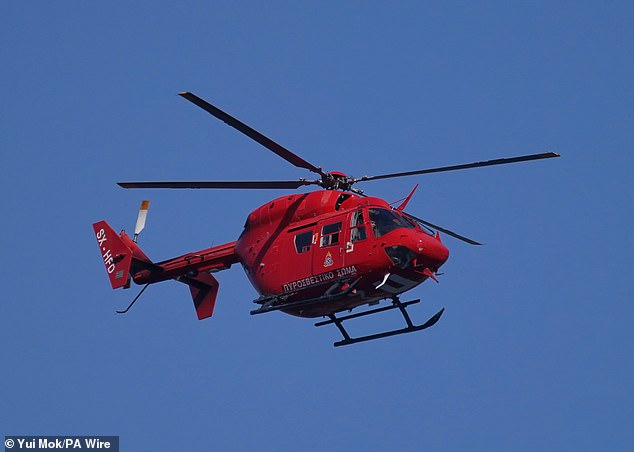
{"x": 396, "y": 304}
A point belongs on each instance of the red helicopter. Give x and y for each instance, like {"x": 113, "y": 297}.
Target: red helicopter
{"x": 313, "y": 254}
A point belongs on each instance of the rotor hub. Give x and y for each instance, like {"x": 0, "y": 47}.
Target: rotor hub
{"x": 336, "y": 180}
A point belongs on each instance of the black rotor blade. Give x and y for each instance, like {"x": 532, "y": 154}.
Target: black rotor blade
{"x": 226, "y": 184}
{"x": 446, "y": 231}
{"x": 252, "y": 133}
{"x": 503, "y": 161}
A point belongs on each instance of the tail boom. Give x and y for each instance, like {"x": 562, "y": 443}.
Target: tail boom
{"x": 213, "y": 259}
{"x": 123, "y": 260}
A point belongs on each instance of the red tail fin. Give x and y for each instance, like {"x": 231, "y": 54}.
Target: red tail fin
{"x": 204, "y": 289}
{"x": 123, "y": 258}
{"x": 118, "y": 253}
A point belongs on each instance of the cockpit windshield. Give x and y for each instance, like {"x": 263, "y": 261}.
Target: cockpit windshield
{"x": 423, "y": 226}
{"x": 384, "y": 221}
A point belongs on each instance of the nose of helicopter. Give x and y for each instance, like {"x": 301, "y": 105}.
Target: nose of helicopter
{"x": 433, "y": 252}
{"x": 420, "y": 250}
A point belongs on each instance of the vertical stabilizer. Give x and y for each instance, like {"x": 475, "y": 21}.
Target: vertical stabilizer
{"x": 117, "y": 257}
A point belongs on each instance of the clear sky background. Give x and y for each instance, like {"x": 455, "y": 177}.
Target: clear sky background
{"x": 535, "y": 350}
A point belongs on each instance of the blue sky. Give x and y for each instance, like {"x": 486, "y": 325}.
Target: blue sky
{"x": 535, "y": 349}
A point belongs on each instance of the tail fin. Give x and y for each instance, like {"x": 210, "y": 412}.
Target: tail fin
{"x": 122, "y": 257}
{"x": 204, "y": 289}
{"x": 118, "y": 253}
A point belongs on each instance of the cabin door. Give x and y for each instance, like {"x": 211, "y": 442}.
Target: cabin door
{"x": 330, "y": 250}
{"x": 297, "y": 263}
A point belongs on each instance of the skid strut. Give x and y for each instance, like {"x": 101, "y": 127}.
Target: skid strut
{"x": 396, "y": 304}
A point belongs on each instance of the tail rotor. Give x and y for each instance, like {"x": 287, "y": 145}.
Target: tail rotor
{"x": 140, "y": 220}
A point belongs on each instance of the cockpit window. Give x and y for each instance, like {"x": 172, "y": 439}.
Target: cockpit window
{"x": 423, "y": 226}
{"x": 384, "y": 221}
{"x": 357, "y": 227}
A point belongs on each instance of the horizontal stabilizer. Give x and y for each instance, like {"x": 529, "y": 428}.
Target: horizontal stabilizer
{"x": 204, "y": 289}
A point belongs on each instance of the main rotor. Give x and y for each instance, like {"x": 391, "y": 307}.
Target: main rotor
{"x": 333, "y": 180}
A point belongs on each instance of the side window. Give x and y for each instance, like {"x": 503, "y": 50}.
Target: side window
{"x": 357, "y": 228}
{"x": 303, "y": 241}
{"x": 330, "y": 234}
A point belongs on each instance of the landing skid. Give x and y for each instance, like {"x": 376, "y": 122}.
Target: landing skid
{"x": 396, "y": 304}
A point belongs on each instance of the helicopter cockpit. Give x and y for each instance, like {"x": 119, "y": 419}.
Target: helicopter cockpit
{"x": 384, "y": 221}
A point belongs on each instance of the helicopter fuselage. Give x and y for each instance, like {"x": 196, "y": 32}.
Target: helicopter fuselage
{"x": 302, "y": 246}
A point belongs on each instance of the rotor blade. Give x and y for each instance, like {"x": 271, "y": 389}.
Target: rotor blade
{"x": 226, "y": 184}
{"x": 252, "y": 133}
{"x": 503, "y": 161}
{"x": 446, "y": 231}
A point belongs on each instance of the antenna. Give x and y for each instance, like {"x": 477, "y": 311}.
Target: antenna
{"x": 140, "y": 220}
